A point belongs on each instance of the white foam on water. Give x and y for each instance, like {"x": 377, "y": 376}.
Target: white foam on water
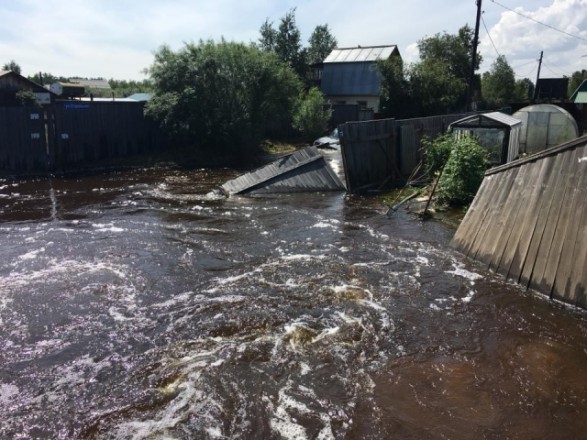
{"x": 282, "y": 422}
{"x": 56, "y": 269}
{"x": 469, "y": 296}
{"x": 461, "y": 272}
{"x": 108, "y": 227}
{"x": 32, "y": 254}
{"x": 302, "y": 257}
{"x": 177, "y": 299}
{"x": 7, "y": 394}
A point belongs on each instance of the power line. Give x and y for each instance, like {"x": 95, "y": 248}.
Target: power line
{"x": 539, "y": 22}
{"x": 489, "y": 35}
{"x": 552, "y": 71}
{"x": 528, "y": 74}
{"x": 525, "y": 64}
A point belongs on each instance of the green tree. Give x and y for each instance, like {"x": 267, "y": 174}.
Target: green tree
{"x": 220, "y": 95}
{"x": 435, "y": 89}
{"x": 268, "y": 36}
{"x": 321, "y": 44}
{"x": 396, "y": 94}
{"x": 450, "y": 56}
{"x": 498, "y": 85}
{"x": 524, "y": 90}
{"x": 454, "y": 50}
{"x": 12, "y": 66}
{"x": 288, "y": 43}
{"x": 45, "y": 78}
{"x": 309, "y": 115}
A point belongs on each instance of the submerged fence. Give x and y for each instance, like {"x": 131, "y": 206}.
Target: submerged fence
{"x": 63, "y": 136}
{"x": 528, "y": 222}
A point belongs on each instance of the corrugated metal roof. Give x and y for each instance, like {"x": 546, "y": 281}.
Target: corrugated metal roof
{"x": 360, "y": 54}
{"x": 484, "y": 118}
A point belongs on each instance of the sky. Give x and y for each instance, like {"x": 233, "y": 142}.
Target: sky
{"x": 117, "y": 38}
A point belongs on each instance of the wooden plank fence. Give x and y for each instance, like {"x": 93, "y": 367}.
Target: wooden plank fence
{"x": 69, "y": 134}
{"x": 384, "y": 153}
{"x": 304, "y": 170}
{"x": 528, "y": 222}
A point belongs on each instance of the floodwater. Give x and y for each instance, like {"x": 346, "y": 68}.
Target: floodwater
{"x": 135, "y": 305}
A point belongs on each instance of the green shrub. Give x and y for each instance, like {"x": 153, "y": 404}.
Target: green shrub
{"x": 309, "y": 115}
{"x": 463, "y": 172}
{"x": 436, "y": 152}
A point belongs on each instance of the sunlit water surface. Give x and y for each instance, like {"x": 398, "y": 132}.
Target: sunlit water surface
{"x": 137, "y": 305}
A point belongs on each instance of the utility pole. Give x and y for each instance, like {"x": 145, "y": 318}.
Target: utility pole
{"x": 474, "y": 57}
{"x": 536, "y": 91}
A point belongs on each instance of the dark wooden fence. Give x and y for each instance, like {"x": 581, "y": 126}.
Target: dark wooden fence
{"x": 383, "y": 153}
{"x": 528, "y": 222}
{"x": 70, "y": 134}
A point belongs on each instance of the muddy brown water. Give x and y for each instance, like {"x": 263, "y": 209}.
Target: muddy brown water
{"x": 136, "y": 305}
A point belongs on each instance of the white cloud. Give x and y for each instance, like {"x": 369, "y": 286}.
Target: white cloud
{"x": 116, "y": 38}
{"x": 522, "y": 39}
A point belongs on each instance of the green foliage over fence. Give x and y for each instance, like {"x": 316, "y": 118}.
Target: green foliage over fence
{"x": 459, "y": 164}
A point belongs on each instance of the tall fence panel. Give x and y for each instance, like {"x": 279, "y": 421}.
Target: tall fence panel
{"x": 90, "y": 131}
{"x": 68, "y": 135}
{"x": 386, "y": 152}
{"x": 528, "y": 222}
{"x": 23, "y": 140}
{"x": 369, "y": 154}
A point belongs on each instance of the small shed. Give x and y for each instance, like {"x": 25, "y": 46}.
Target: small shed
{"x": 545, "y": 126}
{"x": 498, "y": 132}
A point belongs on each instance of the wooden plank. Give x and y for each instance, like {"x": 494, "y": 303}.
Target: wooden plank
{"x": 487, "y": 229}
{"x": 467, "y": 232}
{"x": 557, "y": 193}
{"x": 576, "y": 285}
{"x": 571, "y": 222}
{"x": 563, "y": 225}
{"x": 507, "y": 220}
{"x": 525, "y": 228}
{"x": 536, "y": 245}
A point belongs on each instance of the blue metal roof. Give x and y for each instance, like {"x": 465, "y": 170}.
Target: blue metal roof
{"x": 351, "y": 79}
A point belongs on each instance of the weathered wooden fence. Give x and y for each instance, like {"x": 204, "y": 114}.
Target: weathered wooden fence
{"x": 528, "y": 222}
{"x": 67, "y": 134}
{"x": 385, "y": 152}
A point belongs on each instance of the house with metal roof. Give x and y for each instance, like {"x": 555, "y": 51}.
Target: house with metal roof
{"x": 12, "y": 84}
{"x": 350, "y": 75}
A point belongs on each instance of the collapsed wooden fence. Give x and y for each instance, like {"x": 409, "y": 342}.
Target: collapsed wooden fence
{"x": 64, "y": 135}
{"x": 384, "y": 153}
{"x": 528, "y": 222}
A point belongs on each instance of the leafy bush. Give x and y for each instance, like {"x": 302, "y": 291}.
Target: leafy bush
{"x": 459, "y": 164}
{"x": 437, "y": 152}
{"x": 309, "y": 115}
{"x": 463, "y": 172}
